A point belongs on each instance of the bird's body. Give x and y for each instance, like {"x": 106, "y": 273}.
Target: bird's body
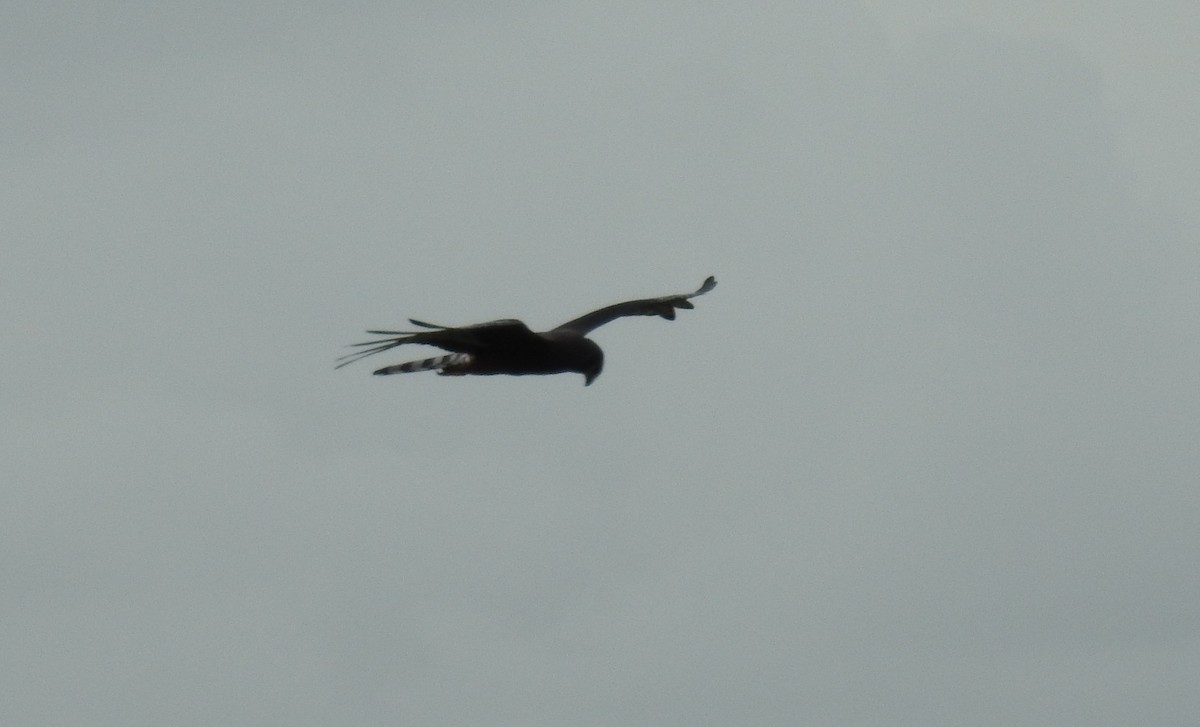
{"x": 507, "y": 346}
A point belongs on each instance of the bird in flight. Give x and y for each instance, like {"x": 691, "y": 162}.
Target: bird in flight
{"x": 508, "y": 346}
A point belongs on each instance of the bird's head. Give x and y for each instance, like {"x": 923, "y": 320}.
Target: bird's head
{"x": 591, "y": 360}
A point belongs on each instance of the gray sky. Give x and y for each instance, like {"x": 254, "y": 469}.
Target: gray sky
{"x": 927, "y": 456}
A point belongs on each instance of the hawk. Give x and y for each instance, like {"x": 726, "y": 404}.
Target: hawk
{"x": 508, "y": 346}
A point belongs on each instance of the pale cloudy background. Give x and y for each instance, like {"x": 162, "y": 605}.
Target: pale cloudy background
{"x": 928, "y": 455}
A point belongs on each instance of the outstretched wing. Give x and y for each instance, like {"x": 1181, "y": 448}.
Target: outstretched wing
{"x": 493, "y": 335}
{"x": 664, "y": 307}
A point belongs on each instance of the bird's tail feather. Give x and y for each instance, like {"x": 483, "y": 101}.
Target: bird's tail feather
{"x": 427, "y": 364}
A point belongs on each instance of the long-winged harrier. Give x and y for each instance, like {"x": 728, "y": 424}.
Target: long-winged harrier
{"x": 509, "y": 347}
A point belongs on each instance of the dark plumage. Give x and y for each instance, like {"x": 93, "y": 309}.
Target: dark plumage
{"x": 509, "y": 347}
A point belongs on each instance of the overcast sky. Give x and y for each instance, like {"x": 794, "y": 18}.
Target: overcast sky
{"x": 928, "y": 455}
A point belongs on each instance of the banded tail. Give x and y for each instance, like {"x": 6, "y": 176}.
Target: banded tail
{"x": 438, "y": 363}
